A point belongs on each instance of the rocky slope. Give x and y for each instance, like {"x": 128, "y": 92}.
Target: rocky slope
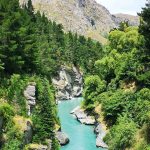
{"x": 133, "y": 20}
{"x": 68, "y": 83}
{"x": 86, "y": 17}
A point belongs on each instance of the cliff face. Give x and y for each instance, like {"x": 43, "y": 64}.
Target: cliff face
{"x": 86, "y": 17}
{"x": 133, "y": 20}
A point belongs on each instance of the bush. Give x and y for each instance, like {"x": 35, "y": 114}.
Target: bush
{"x": 121, "y": 135}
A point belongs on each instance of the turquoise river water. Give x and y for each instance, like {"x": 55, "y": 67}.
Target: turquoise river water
{"x": 81, "y": 136}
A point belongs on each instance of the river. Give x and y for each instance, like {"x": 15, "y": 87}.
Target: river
{"x": 81, "y": 136}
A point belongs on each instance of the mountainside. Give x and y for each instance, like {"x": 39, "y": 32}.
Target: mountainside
{"x": 86, "y": 17}
{"x": 133, "y": 20}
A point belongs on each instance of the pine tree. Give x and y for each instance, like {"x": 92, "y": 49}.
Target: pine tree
{"x": 144, "y": 53}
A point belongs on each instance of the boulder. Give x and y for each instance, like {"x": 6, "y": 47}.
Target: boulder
{"x": 29, "y": 94}
{"x": 62, "y": 138}
{"x": 28, "y": 133}
{"x": 100, "y": 135}
{"x": 82, "y": 117}
{"x": 88, "y": 121}
{"x": 99, "y": 131}
{"x": 100, "y": 142}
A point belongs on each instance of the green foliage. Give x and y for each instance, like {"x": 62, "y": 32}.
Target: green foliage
{"x": 125, "y": 60}
{"x": 141, "y": 109}
{"x": 6, "y": 111}
{"x": 93, "y": 86}
{"x": 13, "y": 144}
{"x": 144, "y": 30}
{"x": 15, "y": 93}
{"x": 121, "y": 135}
{"x": 44, "y": 116}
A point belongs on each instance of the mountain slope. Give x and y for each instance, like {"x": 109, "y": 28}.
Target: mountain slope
{"x": 133, "y": 20}
{"x": 86, "y": 17}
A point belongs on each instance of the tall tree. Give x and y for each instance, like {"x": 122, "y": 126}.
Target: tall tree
{"x": 144, "y": 29}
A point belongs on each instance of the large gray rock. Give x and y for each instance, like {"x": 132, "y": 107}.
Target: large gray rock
{"x": 100, "y": 135}
{"x": 28, "y": 133}
{"x": 62, "y": 138}
{"x": 68, "y": 83}
{"x": 82, "y": 116}
{"x": 88, "y": 121}
{"x": 100, "y": 142}
{"x": 29, "y": 94}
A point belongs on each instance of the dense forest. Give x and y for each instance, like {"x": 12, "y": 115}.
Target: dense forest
{"x": 120, "y": 86}
{"x": 32, "y": 49}
{"x": 116, "y": 78}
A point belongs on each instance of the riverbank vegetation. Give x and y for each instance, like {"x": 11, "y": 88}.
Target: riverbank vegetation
{"x": 32, "y": 49}
{"x": 121, "y": 86}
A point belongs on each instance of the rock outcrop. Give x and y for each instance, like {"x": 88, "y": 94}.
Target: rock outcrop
{"x": 62, "y": 138}
{"x": 29, "y": 94}
{"x": 100, "y": 134}
{"x": 133, "y": 20}
{"x": 86, "y": 17}
{"x": 68, "y": 83}
{"x": 82, "y": 116}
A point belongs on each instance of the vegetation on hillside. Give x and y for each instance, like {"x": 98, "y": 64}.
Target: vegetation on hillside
{"x": 32, "y": 48}
{"x": 121, "y": 86}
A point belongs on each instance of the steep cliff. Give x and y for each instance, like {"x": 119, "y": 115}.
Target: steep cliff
{"x": 86, "y": 17}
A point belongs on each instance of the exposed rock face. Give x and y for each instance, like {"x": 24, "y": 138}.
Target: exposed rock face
{"x": 100, "y": 142}
{"x": 100, "y": 135}
{"x": 62, "y": 138}
{"x": 82, "y": 116}
{"x": 133, "y": 20}
{"x": 86, "y": 17}
{"x": 29, "y": 94}
{"x": 28, "y": 133}
{"x": 68, "y": 83}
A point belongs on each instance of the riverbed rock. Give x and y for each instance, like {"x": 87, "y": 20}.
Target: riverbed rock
{"x": 62, "y": 138}
{"x": 29, "y": 94}
{"x": 82, "y": 116}
{"x": 88, "y": 121}
{"x": 100, "y": 133}
{"x": 100, "y": 142}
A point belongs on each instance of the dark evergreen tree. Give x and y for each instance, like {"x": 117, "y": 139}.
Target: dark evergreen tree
{"x": 144, "y": 53}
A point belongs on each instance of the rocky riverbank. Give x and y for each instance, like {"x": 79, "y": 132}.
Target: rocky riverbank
{"x": 86, "y": 119}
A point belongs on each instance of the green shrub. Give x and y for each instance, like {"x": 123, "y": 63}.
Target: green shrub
{"x": 121, "y": 135}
